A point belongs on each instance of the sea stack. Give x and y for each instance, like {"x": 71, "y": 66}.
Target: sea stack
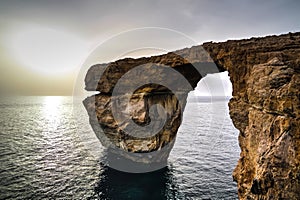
{"x": 154, "y": 93}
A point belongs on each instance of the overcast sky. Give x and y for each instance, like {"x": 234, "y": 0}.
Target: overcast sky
{"x": 87, "y": 23}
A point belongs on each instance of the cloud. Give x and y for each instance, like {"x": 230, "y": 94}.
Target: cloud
{"x": 206, "y": 18}
{"x": 95, "y": 21}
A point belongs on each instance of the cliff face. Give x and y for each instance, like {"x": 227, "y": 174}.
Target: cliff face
{"x": 265, "y": 107}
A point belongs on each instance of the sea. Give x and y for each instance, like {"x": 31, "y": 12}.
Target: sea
{"x": 44, "y": 156}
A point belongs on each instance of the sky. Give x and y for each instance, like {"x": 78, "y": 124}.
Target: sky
{"x": 44, "y": 43}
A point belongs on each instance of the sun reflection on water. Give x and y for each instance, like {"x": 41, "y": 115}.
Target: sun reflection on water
{"x": 52, "y": 110}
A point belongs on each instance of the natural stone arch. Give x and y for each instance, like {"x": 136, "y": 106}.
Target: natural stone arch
{"x": 264, "y": 108}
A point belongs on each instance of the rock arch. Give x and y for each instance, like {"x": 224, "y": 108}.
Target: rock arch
{"x": 264, "y": 108}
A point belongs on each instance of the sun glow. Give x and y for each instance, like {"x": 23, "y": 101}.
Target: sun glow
{"x": 51, "y": 105}
{"x": 48, "y": 51}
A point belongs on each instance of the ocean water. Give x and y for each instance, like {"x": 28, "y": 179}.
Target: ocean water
{"x": 42, "y": 156}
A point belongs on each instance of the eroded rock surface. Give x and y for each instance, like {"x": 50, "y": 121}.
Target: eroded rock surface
{"x": 164, "y": 88}
{"x": 265, "y": 107}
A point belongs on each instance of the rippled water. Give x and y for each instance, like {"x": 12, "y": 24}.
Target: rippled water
{"x": 42, "y": 157}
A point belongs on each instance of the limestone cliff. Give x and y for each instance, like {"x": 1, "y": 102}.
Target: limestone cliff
{"x": 265, "y": 107}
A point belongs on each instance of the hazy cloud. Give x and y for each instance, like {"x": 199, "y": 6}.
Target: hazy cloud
{"x": 95, "y": 21}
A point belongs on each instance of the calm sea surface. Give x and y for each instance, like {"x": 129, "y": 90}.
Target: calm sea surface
{"x": 42, "y": 156}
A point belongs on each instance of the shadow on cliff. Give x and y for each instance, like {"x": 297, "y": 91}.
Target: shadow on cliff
{"x": 114, "y": 184}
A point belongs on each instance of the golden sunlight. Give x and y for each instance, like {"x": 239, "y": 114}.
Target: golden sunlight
{"x": 47, "y": 51}
{"x": 51, "y": 107}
